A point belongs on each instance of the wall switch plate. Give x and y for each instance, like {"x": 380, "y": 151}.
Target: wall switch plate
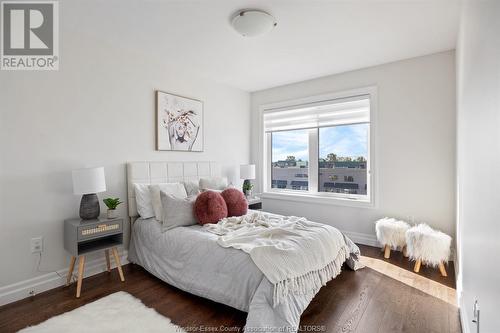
{"x": 37, "y": 245}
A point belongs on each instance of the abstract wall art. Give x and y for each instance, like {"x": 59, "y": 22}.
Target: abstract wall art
{"x": 179, "y": 123}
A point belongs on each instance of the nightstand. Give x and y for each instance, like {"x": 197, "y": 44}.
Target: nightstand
{"x": 85, "y": 236}
{"x": 254, "y": 203}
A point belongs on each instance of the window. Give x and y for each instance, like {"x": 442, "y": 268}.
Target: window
{"x": 290, "y": 155}
{"x": 279, "y": 183}
{"x": 320, "y": 147}
{"x": 349, "y": 179}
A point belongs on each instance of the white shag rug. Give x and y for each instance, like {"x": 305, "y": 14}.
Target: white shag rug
{"x": 118, "y": 312}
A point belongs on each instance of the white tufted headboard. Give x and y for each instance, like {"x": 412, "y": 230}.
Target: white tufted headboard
{"x": 165, "y": 172}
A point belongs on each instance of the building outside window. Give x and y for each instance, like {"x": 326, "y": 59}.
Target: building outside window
{"x": 349, "y": 179}
{"x": 279, "y": 183}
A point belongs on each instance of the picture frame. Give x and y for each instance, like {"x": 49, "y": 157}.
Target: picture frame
{"x": 179, "y": 123}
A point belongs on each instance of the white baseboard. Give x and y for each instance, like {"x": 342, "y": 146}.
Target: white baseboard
{"x": 19, "y": 290}
{"x": 361, "y": 238}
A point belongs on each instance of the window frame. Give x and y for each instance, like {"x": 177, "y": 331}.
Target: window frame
{"x": 313, "y": 195}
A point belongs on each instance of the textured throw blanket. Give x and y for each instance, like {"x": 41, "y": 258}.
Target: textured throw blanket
{"x": 296, "y": 255}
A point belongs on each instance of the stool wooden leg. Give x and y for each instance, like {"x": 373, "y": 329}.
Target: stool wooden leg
{"x": 70, "y": 270}
{"x": 442, "y": 269}
{"x": 81, "y": 266}
{"x": 405, "y": 252}
{"x": 416, "y": 269}
{"x": 387, "y": 252}
{"x": 118, "y": 265}
{"x": 108, "y": 263}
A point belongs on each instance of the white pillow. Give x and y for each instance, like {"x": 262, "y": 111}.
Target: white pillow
{"x": 192, "y": 188}
{"x": 213, "y": 183}
{"x": 207, "y": 189}
{"x": 177, "y": 212}
{"x": 175, "y": 189}
{"x": 143, "y": 201}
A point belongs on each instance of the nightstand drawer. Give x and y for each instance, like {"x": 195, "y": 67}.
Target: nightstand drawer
{"x": 99, "y": 229}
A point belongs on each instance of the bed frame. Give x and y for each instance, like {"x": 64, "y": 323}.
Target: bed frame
{"x": 154, "y": 172}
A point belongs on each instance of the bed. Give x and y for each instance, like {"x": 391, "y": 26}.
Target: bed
{"x": 190, "y": 258}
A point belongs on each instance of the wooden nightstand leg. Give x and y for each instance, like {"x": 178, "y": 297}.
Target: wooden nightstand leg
{"x": 118, "y": 265}
{"x": 108, "y": 263}
{"x": 70, "y": 270}
{"x": 81, "y": 266}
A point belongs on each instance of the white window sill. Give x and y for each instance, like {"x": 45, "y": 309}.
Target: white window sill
{"x": 317, "y": 199}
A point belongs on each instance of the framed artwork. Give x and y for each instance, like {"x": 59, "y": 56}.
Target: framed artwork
{"x": 179, "y": 123}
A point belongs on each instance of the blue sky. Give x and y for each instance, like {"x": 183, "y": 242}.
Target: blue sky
{"x": 348, "y": 140}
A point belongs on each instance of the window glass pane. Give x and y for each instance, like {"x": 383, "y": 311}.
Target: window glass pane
{"x": 343, "y": 153}
{"x": 290, "y": 160}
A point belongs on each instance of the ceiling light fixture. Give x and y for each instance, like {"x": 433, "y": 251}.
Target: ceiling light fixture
{"x": 253, "y": 22}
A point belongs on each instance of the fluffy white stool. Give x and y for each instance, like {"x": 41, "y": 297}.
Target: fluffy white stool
{"x": 391, "y": 233}
{"x": 428, "y": 246}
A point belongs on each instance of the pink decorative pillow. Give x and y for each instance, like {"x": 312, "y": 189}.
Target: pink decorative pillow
{"x": 210, "y": 207}
{"x": 236, "y": 202}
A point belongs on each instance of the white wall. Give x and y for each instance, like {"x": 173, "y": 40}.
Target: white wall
{"x": 415, "y": 143}
{"x": 97, "y": 110}
{"x": 478, "y": 135}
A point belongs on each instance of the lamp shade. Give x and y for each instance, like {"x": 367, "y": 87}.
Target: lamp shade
{"x": 88, "y": 181}
{"x": 247, "y": 171}
{"x": 233, "y": 174}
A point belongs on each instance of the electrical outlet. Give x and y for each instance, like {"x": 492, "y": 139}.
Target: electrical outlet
{"x": 37, "y": 245}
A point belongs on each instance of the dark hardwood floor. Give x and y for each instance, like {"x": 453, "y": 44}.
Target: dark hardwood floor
{"x": 362, "y": 301}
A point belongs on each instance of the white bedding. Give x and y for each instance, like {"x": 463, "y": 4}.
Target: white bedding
{"x": 294, "y": 254}
{"x": 190, "y": 259}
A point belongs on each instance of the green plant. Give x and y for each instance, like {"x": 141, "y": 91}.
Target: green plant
{"x": 112, "y": 203}
{"x": 247, "y": 186}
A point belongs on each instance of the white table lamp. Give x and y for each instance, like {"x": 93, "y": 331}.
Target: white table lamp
{"x": 88, "y": 182}
{"x": 247, "y": 172}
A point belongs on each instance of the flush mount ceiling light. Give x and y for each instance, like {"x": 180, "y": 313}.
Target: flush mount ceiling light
{"x": 253, "y": 22}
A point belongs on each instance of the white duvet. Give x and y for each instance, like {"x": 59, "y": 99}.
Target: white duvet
{"x": 190, "y": 259}
{"x": 296, "y": 255}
